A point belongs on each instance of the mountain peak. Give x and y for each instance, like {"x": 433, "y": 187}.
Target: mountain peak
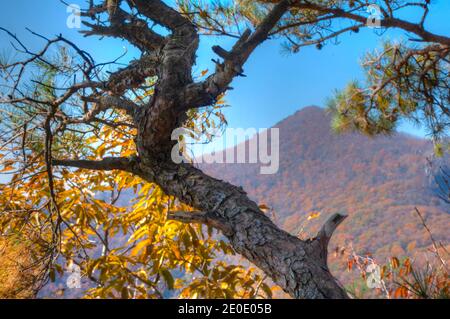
{"x": 308, "y": 115}
{"x": 310, "y": 109}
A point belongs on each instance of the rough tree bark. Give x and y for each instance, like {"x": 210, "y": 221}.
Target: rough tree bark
{"x": 297, "y": 266}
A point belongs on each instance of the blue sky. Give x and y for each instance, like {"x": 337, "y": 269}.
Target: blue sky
{"x": 277, "y": 84}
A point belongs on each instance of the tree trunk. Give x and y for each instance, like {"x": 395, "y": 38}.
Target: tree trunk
{"x": 299, "y": 267}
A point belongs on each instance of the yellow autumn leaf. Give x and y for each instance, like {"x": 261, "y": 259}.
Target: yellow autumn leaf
{"x": 139, "y": 246}
{"x": 313, "y": 215}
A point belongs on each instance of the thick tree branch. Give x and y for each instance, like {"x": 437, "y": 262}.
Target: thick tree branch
{"x": 207, "y": 218}
{"x": 106, "y": 164}
{"x": 299, "y": 267}
{"x": 388, "y": 22}
{"x": 162, "y": 14}
{"x": 104, "y": 103}
{"x": 137, "y": 33}
{"x": 205, "y": 93}
{"x": 325, "y": 233}
{"x": 126, "y": 26}
{"x": 134, "y": 74}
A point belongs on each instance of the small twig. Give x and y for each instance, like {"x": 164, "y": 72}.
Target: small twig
{"x": 435, "y": 246}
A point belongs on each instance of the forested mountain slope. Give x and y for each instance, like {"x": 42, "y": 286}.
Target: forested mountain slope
{"x": 376, "y": 181}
